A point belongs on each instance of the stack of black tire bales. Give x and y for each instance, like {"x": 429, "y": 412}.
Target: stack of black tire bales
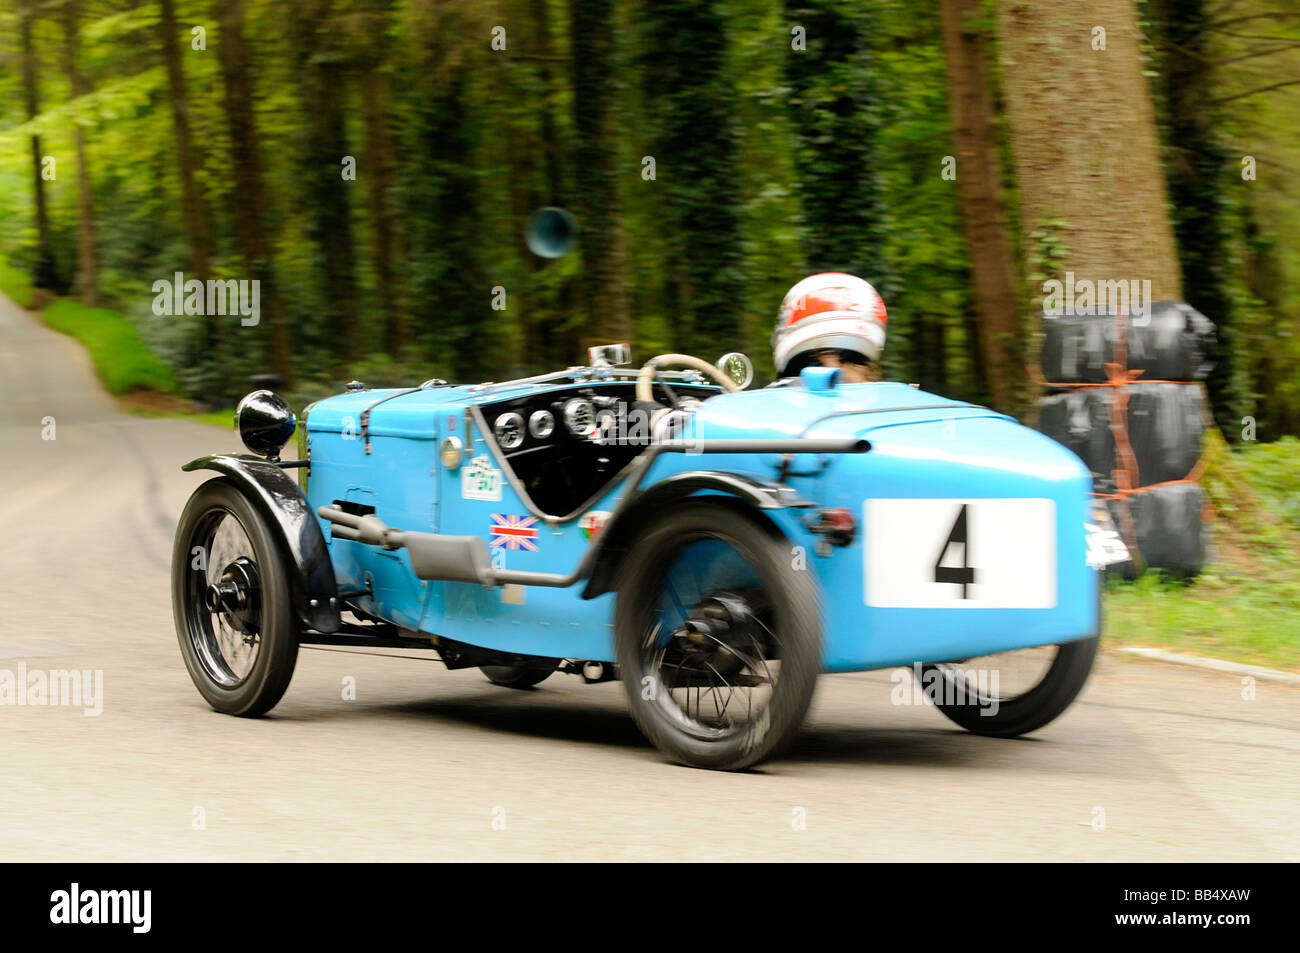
{"x": 1124, "y": 393}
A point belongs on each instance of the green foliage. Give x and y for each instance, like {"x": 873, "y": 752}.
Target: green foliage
{"x": 769, "y": 162}
{"x": 835, "y": 112}
{"x": 1238, "y": 616}
{"x": 689, "y": 95}
{"x": 1246, "y": 606}
{"x": 1199, "y": 177}
{"x": 1255, "y": 493}
{"x": 115, "y": 100}
{"x": 440, "y": 192}
{"x": 121, "y": 358}
{"x": 1271, "y": 469}
{"x": 1226, "y": 98}
{"x": 17, "y": 284}
{"x": 926, "y": 288}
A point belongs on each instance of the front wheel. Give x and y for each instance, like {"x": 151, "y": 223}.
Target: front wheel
{"x": 718, "y": 636}
{"x": 1010, "y": 693}
{"x": 232, "y": 602}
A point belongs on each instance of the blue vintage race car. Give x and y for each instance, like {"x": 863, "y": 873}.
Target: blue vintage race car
{"x": 716, "y": 548}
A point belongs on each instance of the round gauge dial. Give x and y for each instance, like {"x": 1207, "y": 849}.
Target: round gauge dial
{"x": 606, "y": 425}
{"x": 509, "y": 431}
{"x": 541, "y": 424}
{"x": 580, "y": 417}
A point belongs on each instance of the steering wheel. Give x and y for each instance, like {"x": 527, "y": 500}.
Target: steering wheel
{"x": 645, "y": 380}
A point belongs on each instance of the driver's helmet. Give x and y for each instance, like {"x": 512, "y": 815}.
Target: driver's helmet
{"x": 831, "y": 311}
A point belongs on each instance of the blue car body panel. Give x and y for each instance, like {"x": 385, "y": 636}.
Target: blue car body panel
{"x": 923, "y": 448}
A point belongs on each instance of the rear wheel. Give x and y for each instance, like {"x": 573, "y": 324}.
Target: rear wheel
{"x": 718, "y": 637}
{"x": 232, "y": 602}
{"x": 1010, "y": 693}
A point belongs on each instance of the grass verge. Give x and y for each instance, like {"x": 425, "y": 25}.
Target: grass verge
{"x": 124, "y": 363}
{"x": 1245, "y": 607}
{"x": 217, "y": 418}
{"x": 17, "y": 284}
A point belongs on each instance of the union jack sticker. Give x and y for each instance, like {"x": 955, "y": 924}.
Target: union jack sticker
{"x": 514, "y": 532}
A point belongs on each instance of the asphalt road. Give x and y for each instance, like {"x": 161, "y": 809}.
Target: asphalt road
{"x": 427, "y": 764}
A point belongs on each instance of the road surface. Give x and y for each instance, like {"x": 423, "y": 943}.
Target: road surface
{"x": 1153, "y": 763}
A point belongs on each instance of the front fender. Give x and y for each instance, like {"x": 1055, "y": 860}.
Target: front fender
{"x": 617, "y": 536}
{"x": 278, "y": 499}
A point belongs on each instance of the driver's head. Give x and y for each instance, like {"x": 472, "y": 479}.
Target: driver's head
{"x": 854, "y": 367}
{"x": 832, "y": 319}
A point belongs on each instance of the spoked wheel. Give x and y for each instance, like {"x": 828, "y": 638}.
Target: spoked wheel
{"x": 718, "y": 637}
{"x": 1010, "y": 693}
{"x": 231, "y": 602}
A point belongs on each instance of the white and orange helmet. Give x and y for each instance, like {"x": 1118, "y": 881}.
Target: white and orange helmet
{"x": 828, "y": 311}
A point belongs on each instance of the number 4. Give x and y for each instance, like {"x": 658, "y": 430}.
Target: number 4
{"x": 963, "y": 575}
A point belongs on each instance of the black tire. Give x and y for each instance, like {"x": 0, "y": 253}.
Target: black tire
{"x": 516, "y": 676}
{"x": 785, "y": 629}
{"x": 266, "y": 618}
{"x": 1022, "y": 712}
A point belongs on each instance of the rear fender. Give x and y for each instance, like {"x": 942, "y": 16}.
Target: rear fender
{"x": 278, "y": 498}
{"x": 745, "y": 493}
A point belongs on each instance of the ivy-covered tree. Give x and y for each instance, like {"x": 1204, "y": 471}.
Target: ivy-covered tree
{"x": 1199, "y": 173}
{"x": 87, "y": 253}
{"x": 376, "y": 18}
{"x": 596, "y": 172}
{"x": 45, "y": 270}
{"x": 976, "y": 170}
{"x": 830, "y": 68}
{"x": 194, "y": 209}
{"x": 690, "y": 100}
{"x": 324, "y": 152}
{"x": 453, "y": 323}
{"x": 251, "y": 221}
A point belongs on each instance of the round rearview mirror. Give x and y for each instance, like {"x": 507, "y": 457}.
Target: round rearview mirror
{"x": 552, "y": 232}
{"x": 266, "y": 422}
{"x": 738, "y": 367}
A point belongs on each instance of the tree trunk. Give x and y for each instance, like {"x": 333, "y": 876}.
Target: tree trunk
{"x": 329, "y": 204}
{"x": 697, "y": 176}
{"x": 925, "y": 350}
{"x": 1268, "y": 368}
{"x": 456, "y": 325}
{"x": 1199, "y": 170}
{"x": 246, "y": 166}
{"x": 994, "y": 279}
{"x": 833, "y": 116}
{"x": 1083, "y": 142}
{"x": 87, "y": 260}
{"x": 193, "y": 208}
{"x": 595, "y": 163}
{"x": 540, "y": 30}
{"x": 45, "y": 273}
{"x": 547, "y": 342}
{"x": 376, "y": 91}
